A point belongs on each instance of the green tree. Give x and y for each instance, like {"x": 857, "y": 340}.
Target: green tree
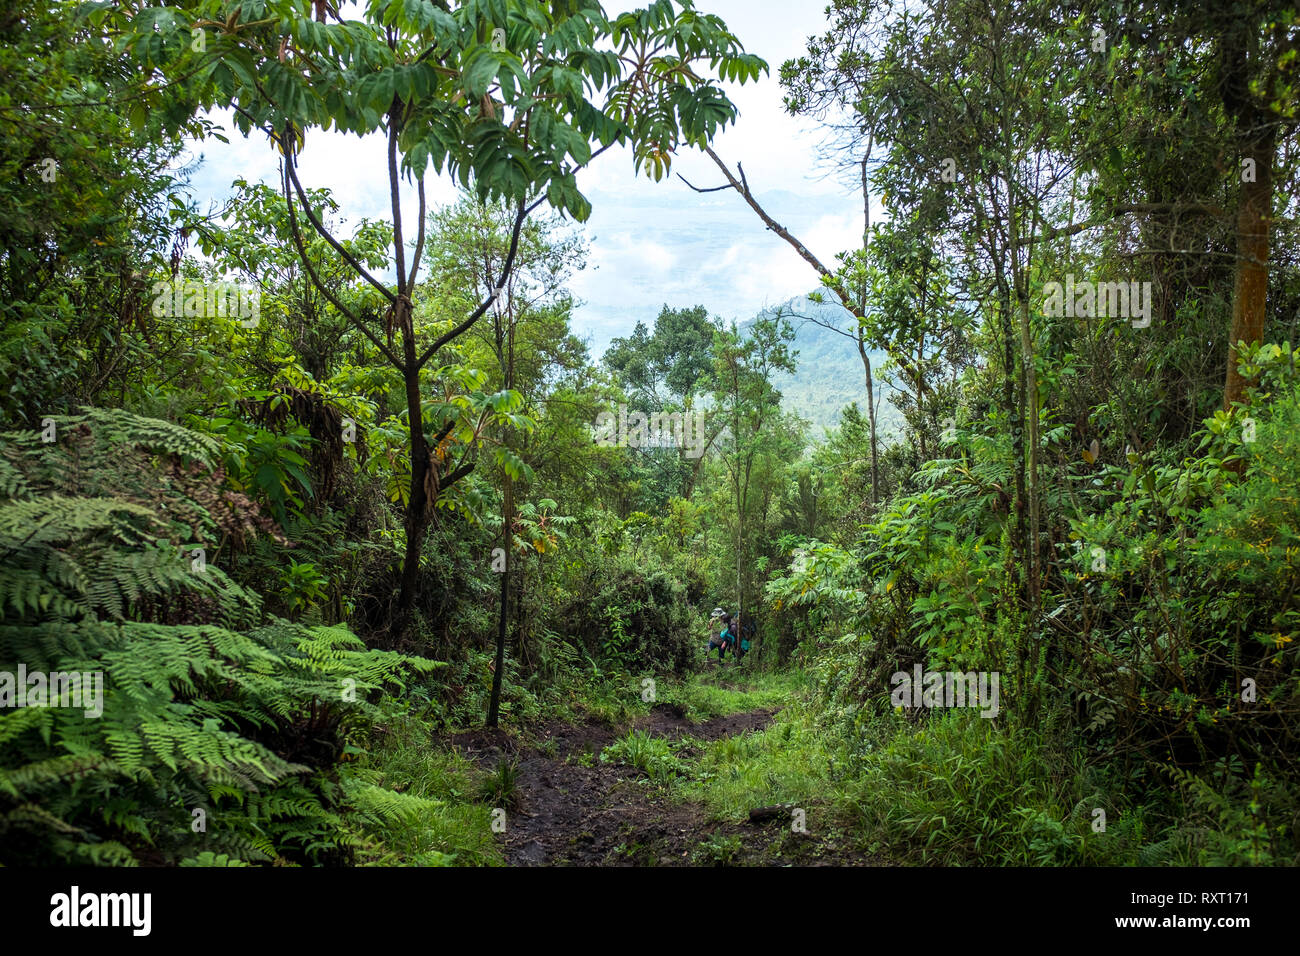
{"x": 84, "y": 213}
{"x": 915, "y": 318}
{"x": 745, "y": 399}
{"x": 512, "y": 100}
{"x": 662, "y": 371}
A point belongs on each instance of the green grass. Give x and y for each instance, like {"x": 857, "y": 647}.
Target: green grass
{"x": 954, "y": 790}
{"x": 617, "y": 697}
{"x": 605, "y": 694}
{"x": 786, "y": 763}
{"x": 455, "y": 832}
{"x": 654, "y": 756}
{"x": 499, "y": 788}
{"x": 717, "y": 850}
{"x": 957, "y": 790}
{"x": 717, "y": 694}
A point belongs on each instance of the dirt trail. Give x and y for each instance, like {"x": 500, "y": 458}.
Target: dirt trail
{"x": 571, "y": 814}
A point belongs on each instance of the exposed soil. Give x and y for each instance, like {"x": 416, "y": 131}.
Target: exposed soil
{"x": 573, "y": 810}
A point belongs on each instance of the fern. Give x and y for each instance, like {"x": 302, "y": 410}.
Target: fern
{"x": 205, "y": 705}
{"x": 208, "y": 858}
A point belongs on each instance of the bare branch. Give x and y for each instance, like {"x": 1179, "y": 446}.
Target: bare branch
{"x": 1154, "y": 208}
{"x": 324, "y": 233}
{"x": 316, "y": 281}
{"x": 698, "y": 189}
{"x": 463, "y": 327}
{"x": 419, "y": 239}
{"x": 776, "y": 227}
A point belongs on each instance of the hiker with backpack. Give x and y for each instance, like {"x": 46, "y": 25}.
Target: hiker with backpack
{"x": 727, "y": 638}
{"x": 724, "y": 639}
{"x": 715, "y": 638}
{"x": 744, "y": 631}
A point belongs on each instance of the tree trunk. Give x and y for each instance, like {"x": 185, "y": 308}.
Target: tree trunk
{"x": 1030, "y": 401}
{"x": 862, "y": 345}
{"x": 1018, "y": 443}
{"x": 1011, "y": 384}
{"x": 871, "y": 421}
{"x": 507, "y": 514}
{"x": 417, "y": 505}
{"x": 1250, "y": 291}
{"x": 505, "y": 341}
{"x": 920, "y": 414}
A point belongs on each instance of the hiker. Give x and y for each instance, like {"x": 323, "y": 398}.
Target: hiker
{"x": 727, "y": 637}
{"x": 715, "y": 640}
{"x": 744, "y": 635}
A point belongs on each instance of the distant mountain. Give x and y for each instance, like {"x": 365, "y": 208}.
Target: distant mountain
{"x": 829, "y": 374}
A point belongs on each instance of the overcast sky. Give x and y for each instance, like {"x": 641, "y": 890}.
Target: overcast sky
{"x": 650, "y": 243}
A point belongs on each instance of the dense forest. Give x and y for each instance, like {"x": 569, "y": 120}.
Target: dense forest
{"x": 330, "y": 541}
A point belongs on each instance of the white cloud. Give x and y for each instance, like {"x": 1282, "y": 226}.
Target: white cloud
{"x": 833, "y": 233}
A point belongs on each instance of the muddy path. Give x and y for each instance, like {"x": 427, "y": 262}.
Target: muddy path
{"x": 573, "y": 810}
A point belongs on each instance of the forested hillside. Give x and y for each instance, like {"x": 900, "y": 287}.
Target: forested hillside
{"x": 829, "y": 374}
{"x": 325, "y": 540}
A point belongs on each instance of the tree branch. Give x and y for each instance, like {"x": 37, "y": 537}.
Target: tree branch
{"x": 395, "y": 197}
{"x": 316, "y": 281}
{"x": 776, "y": 227}
{"x": 324, "y": 234}
{"x": 1192, "y": 208}
{"x": 455, "y": 476}
{"x": 419, "y": 239}
{"x": 700, "y": 189}
{"x": 524, "y": 212}
{"x": 463, "y": 327}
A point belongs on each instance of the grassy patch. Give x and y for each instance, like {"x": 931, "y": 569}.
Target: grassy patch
{"x": 654, "y": 756}
{"x": 498, "y": 788}
{"x": 602, "y": 697}
{"x": 449, "y": 829}
{"x": 959, "y": 790}
{"x": 786, "y": 763}
{"x": 707, "y": 695}
{"x": 954, "y": 790}
{"x": 718, "y": 850}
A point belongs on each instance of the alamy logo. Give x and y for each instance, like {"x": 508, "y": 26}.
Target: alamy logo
{"x": 57, "y": 689}
{"x": 1087, "y": 300}
{"x": 207, "y": 300}
{"x": 946, "y": 689}
{"x": 656, "y": 430}
{"x": 102, "y": 909}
